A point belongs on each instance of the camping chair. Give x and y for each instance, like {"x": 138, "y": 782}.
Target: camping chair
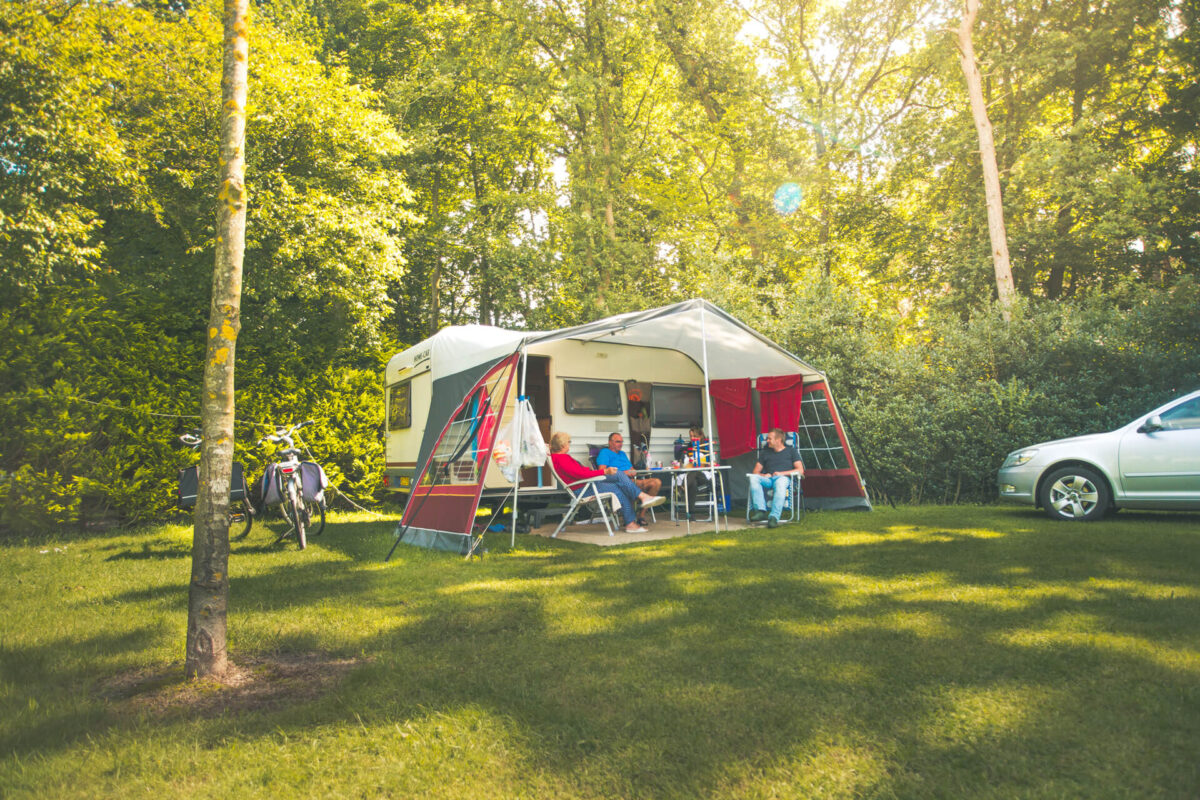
{"x": 793, "y": 505}
{"x": 589, "y": 492}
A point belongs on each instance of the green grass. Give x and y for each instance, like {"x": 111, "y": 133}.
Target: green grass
{"x": 928, "y": 652}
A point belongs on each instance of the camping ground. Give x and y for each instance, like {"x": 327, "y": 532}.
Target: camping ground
{"x": 922, "y": 652}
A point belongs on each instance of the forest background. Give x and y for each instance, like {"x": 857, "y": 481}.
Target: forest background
{"x": 539, "y": 163}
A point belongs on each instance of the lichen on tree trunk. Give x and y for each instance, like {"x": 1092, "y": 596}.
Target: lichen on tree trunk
{"x": 208, "y": 592}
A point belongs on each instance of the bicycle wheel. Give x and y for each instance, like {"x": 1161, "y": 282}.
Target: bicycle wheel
{"x": 296, "y": 513}
{"x": 241, "y": 518}
{"x": 316, "y": 518}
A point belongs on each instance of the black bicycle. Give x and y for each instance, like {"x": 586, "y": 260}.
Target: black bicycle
{"x": 296, "y": 487}
{"x": 241, "y": 512}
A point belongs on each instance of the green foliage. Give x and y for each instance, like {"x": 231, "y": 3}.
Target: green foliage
{"x": 107, "y": 195}
{"x": 512, "y": 162}
{"x": 936, "y": 406}
{"x": 86, "y": 430}
{"x": 79, "y": 431}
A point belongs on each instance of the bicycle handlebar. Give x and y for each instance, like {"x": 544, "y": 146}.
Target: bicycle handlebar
{"x": 283, "y": 434}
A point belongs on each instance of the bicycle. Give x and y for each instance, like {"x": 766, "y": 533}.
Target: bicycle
{"x": 297, "y": 487}
{"x": 241, "y": 511}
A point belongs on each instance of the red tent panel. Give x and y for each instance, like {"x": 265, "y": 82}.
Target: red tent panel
{"x": 779, "y": 399}
{"x": 734, "y": 415}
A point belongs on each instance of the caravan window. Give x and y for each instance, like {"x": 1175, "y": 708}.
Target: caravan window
{"x": 400, "y": 406}
{"x": 592, "y": 397}
{"x": 676, "y": 406}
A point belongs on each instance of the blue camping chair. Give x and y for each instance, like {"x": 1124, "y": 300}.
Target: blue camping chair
{"x": 793, "y": 505}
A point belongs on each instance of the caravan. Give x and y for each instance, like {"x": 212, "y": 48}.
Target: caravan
{"x": 648, "y": 375}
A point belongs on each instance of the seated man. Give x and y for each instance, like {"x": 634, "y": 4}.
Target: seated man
{"x": 776, "y": 463}
{"x": 614, "y": 456}
{"x": 572, "y": 473}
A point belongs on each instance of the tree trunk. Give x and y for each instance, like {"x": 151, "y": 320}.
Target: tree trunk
{"x": 823, "y": 203}
{"x": 208, "y": 595}
{"x": 987, "y": 154}
{"x": 483, "y": 208}
{"x": 435, "y": 279}
{"x": 1065, "y": 252}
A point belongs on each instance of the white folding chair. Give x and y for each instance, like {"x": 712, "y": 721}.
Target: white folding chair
{"x": 589, "y": 493}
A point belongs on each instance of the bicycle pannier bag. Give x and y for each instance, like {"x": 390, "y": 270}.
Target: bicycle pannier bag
{"x": 269, "y": 487}
{"x": 189, "y": 482}
{"x": 313, "y": 482}
{"x": 237, "y": 483}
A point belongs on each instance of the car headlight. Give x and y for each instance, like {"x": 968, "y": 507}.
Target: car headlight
{"x": 1018, "y": 458}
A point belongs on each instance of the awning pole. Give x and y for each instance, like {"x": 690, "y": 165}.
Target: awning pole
{"x": 516, "y": 446}
{"x": 708, "y": 413}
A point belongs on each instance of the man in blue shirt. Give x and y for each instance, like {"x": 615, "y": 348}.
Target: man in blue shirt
{"x": 777, "y": 462}
{"x": 614, "y": 456}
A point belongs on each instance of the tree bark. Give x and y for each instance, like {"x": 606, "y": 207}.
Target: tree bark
{"x": 987, "y": 154}
{"x": 435, "y": 279}
{"x": 1065, "y": 251}
{"x": 208, "y": 595}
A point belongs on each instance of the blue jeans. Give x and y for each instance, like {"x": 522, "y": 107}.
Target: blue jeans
{"x": 626, "y": 491}
{"x": 779, "y": 485}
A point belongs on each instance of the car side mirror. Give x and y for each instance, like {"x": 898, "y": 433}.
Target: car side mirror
{"x": 1151, "y": 425}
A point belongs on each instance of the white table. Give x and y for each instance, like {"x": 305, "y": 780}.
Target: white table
{"x": 716, "y": 477}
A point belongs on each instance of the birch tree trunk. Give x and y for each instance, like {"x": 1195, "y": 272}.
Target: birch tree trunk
{"x": 208, "y": 595}
{"x": 435, "y": 279}
{"x": 987, "y": 154}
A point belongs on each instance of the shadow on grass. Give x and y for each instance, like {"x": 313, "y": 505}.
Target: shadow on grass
{"x": 56, "y": 668}
{"x": 919, "y": 655}
{"x": 149, "y": 551}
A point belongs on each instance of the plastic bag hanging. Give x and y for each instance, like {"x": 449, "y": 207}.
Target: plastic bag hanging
{"x": 520, "y": 444}
{"x": 533, "y": 448}
{"x": 502, "y": 453}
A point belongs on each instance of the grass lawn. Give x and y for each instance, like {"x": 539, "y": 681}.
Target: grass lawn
{"x": 921, "y": 653}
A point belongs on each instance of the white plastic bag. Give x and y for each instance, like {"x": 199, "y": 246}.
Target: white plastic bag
{"x": 533, "y": 448}
{"x": 530, "y": 450}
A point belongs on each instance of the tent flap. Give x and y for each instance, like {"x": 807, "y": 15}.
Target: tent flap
{"x": 779, "y": 401}
{"x": 735, "y": 416}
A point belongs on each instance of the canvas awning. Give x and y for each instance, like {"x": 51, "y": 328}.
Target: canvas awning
{"x": 734, "y": 349}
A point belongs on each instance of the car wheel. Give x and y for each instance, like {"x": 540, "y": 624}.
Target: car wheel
{"x": 1075, "y": 493}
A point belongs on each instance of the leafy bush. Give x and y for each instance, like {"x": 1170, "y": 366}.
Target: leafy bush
{"x": 936, "y": 406}
{"x": 96, "y": 402}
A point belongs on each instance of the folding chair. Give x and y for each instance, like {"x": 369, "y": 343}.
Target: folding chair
{"x": 588, "y": 493}
{"x": 793, "y": 505}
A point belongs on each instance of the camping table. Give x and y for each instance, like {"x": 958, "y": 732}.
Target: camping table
{"x": 715, "y": 475}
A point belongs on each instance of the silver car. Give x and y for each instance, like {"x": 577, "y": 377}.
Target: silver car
{"x": 1153, "y": 462}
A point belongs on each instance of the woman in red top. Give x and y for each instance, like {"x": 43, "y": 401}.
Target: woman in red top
{"x": 572, "y": 472}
